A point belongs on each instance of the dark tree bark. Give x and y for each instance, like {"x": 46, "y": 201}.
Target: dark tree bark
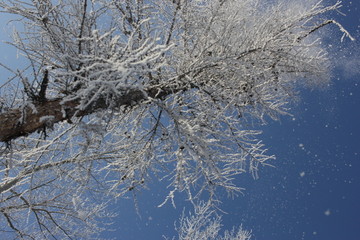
{"x": 21, "y": 122}
{"x": 24, "y": 121}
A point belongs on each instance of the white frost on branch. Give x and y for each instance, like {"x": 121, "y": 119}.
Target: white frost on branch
{"x": 46, "y": 119}
{"x": 165, "y": 89}
{"x": 205, "y": 224}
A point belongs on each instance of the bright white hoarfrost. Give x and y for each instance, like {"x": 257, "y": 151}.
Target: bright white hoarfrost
{"x": 161, "y": 89}
{"x": 205, "y": 224}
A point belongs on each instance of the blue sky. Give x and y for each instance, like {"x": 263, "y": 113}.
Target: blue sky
{"x": 312, "y": 193}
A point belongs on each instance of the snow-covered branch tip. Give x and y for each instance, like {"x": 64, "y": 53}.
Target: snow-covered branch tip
{"x": 204, "y": 223}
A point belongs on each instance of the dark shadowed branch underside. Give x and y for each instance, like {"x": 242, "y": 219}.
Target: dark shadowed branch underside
{"x": 37, "y": 115}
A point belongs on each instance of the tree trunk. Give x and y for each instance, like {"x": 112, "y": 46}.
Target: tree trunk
{"x": 35, "y": 116}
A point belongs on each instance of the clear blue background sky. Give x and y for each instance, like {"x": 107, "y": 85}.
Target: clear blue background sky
{"x": 313, "y": 192}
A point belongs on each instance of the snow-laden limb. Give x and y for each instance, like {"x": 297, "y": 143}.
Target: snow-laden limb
{"x": 205, "y": 224}
{"x": 120, "y": 92}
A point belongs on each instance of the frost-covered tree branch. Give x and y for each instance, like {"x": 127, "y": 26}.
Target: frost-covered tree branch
{"x": 117, "y": 92}
{"x": 205, "y": 224}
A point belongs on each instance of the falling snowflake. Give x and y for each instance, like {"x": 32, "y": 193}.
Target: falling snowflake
{"x": 327, "y": 212}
